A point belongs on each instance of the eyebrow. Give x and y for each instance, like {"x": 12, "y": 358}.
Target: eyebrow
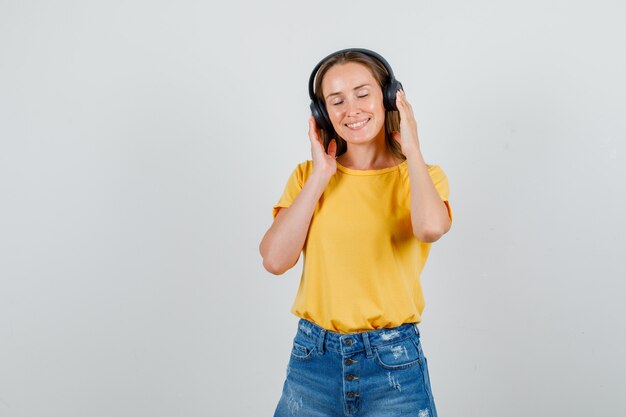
{"x": 355, "y": 88}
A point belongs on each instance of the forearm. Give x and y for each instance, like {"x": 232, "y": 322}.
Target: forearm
{"x": 429, "y": 215}
{"x": 283, "y": 242}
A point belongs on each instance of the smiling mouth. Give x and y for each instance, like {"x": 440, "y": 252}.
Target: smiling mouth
{"x": 358, "y": 125}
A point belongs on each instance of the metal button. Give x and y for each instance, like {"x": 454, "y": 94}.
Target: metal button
{"x": 349, "y": 342}
{"x": 351, "y": 394}
{"x": 349, "y": 361}
{"x": 351, "y": 377}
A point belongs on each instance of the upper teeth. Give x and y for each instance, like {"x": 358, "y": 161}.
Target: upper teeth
{"x": 358, "y": 124}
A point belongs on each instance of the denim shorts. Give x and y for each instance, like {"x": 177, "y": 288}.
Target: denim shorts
{"x": 377, "y": 373}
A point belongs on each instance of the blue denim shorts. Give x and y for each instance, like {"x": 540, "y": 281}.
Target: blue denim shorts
{"x": 377, "y": 373}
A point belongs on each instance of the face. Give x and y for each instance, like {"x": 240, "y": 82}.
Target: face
{"x": 354, "y": 102}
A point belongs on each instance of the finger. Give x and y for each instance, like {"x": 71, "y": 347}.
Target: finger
{"x": 399, "y": 103}
{"x": 332, "y": 148}
{"x": 402, "y": 97}
{"x": 404, "y": 103}
{"x": 311, "y": 123}
{"x": 313, "y": 134}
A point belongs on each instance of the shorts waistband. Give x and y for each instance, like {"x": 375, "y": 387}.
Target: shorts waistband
{"x": 350, "y": 343}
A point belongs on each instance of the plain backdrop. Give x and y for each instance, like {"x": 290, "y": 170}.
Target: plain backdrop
{"x": 144, "y": 143}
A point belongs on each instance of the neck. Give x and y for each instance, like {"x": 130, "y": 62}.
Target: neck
{"x": 370, "y": 155}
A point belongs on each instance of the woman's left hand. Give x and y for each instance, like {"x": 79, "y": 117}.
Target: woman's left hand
{"x": 407, "y": 137}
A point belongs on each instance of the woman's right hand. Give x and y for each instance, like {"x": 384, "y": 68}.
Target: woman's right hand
{"x": 324, "y": 164}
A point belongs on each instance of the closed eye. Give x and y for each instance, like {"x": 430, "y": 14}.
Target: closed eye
{"x": 359, "y": 96}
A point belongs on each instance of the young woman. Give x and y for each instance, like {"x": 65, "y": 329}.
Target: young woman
{"x": 364, "y": 211}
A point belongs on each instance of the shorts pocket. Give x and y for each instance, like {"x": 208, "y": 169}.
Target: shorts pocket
{"x": 301, "y": 352}
{"x": 399, "y": 355}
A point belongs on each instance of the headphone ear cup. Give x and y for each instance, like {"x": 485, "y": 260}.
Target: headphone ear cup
{"x": 391, "y": 90}
{"x": 317, "y": 115}
{"x": 321, "y": 117}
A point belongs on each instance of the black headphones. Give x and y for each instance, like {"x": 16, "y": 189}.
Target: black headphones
{"x": 390, "y": 88}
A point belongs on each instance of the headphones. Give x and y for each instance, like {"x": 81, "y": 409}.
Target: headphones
{"x": 390, "y": 88}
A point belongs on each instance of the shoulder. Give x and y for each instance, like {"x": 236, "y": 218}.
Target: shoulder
{"x": 437, "y": 174}
{"x": 433, "y": 169}
{"x": 305, "y": 165}
{"x": 304, "y": 168}
{"x": 302, "y": 171}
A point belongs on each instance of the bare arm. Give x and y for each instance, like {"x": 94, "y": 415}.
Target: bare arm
{"x": 429, "y": 214}
{"x": 283, "y": 242}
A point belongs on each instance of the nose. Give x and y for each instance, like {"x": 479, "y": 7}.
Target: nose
{"x": 352, "y": 107}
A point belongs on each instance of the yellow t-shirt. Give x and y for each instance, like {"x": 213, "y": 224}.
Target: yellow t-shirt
{"x": 362, "y": 263}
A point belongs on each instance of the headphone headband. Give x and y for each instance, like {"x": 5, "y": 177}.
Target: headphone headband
{"x": 363, "y": 51}
{"x": 389, "y": 89}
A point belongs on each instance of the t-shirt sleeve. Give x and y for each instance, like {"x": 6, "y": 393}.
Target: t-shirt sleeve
{"x": 292, "y": 188}
{"x": 440, "y": 180}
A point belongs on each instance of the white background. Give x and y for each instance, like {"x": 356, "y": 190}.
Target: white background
{"x": 143, "y": 144}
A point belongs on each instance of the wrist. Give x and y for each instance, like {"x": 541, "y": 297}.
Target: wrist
{"x": 320, "y": 178}
{"x": 413, "y": 154}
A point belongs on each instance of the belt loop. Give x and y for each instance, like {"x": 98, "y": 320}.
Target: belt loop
{"x": 320, "y": 342}
{"x": 366, "y": 342}
{"x": 417, "y": 330}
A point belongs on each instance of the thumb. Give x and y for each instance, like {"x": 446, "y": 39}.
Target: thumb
{"x": 332, "y": 148}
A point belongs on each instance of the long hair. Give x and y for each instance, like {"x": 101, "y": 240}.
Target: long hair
{"x": 378, "y": 70}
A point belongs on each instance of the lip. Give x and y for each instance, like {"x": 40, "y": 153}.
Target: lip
{"x": 366, "y": 120}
